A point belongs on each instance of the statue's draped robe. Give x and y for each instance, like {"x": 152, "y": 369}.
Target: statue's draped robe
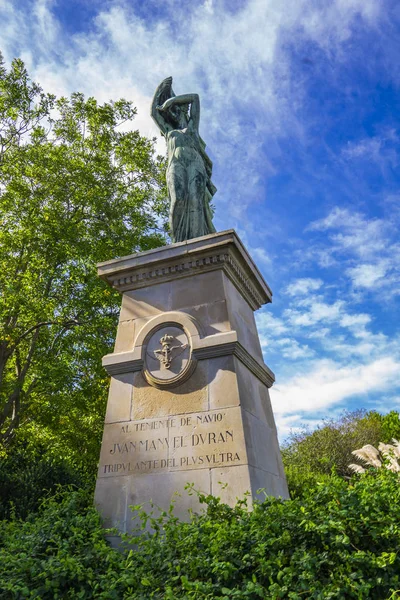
{"x": 189, "y": 182}
{"x": 189, "y": 186}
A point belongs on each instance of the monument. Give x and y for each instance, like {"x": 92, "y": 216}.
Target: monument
{"x": 188, "y": 400}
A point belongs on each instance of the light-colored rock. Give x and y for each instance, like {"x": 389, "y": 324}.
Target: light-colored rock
{"x": 262, "y": 445}
{"x": 231, "y": 484}
{"x": 112, "y": 501}
{"x": 191, "y": 396}
{"x": 125, "y": 336}
{"x": 213, "y": 316}
{"x": 120, "y": 398}
{"x": 223, "y": 384}
{"x": 156, "y": 492}
{"x": 193, "y": 407}
{"x": 254, "y": 394}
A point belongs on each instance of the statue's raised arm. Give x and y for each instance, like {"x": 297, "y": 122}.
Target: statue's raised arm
{"x": 162, "y": 93}
{"x": 189, "y": 169}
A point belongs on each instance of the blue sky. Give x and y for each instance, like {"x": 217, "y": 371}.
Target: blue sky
{"x": 300, "y": 103}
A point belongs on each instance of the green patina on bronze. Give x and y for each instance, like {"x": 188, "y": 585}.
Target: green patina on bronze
{"x": 189, "y": 168}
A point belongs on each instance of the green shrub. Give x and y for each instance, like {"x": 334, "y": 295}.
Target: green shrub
{"x": 310, "y": 456}
{"x": 26, "y": 478}
{"x": 340, "y": 540}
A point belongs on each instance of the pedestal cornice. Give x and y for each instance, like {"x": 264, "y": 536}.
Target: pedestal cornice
{"x": 222, "y": 251}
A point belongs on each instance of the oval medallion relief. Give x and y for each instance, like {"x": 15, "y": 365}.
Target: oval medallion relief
{"x": 168, "y": 357}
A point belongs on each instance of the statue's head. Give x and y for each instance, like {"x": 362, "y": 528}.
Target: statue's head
{"x": 178, "y": 116}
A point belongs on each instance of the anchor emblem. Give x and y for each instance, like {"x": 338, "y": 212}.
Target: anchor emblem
{"x": 164, "y": 354}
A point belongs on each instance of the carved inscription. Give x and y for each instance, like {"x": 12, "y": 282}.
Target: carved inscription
{"x": 193, "y": 441}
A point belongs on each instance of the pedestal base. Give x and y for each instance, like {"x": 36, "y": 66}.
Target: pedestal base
{"x": 188, "y": 398}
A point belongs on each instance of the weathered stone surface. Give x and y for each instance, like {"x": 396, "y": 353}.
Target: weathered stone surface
{"x": 254, "y": 394}
{"x": 231, "y": 484}
{"x": 182, "y": 442}
{"x": 262, "y": 445}
{"x": 220, "y": 251}
{"x": 157, "y": 491}
{"x": 193, "y": 407}
{"x": 120, "y": 398}
{"x": 191, "y": 396}
{"x": 266, "y": 484}
{"x": 223, "y": 384}
{"x": 111, "y": 501}
{"x": 125, "y": 336}
{"x": 212, "y": 316}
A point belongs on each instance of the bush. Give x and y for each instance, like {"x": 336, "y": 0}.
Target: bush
{"x": 27, "y": 477}
{"x": 309, "y": 456}
{"x": 340, "y": 541}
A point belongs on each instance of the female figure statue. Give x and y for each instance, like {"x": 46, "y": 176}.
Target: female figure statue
{"x": 190, "y": 188}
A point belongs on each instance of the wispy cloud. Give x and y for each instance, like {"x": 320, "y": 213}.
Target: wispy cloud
{"x": 237, "y": 59}
{"x": 325, "y": 350}
{"x": 367, "y": 248}
{"x": 329, "y": 383}
{"x": 380, "y": 150}
{"x": 302, "y": 286}
{"x": 261, "y": 121}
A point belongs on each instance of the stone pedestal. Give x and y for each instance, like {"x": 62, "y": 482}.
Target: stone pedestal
{"x": 188, "y": 399}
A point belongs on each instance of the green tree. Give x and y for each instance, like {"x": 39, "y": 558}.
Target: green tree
{"x": 76, "y": 188}
{"x": 310, "y": 456}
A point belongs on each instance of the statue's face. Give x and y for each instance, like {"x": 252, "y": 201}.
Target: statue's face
{"x": 177, "y": 117}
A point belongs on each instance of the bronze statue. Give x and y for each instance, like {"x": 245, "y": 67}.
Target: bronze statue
{"x": 190, "y": 188}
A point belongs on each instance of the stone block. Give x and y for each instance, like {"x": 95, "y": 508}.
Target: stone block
{"x": 241, "y": 318}
{"x": 190, "y": 396}
{"x": 202, "y": 288}
{"x": 120, "y": 398}
{"x": 111, "y": 501}
{"x": 223, "y": 382}
{"x": 265, "y": 484}
{"x": 209, "y": 440}
{"x": 145, "y": 302}
{"x": 231, "y": 484}
{"x": 182, "y": 442}
{"x": 213, "y": 317}
{"x": 125, "y": 336}
{"x": 157, "y": 491}
{"x": 254, "y": 395}
{"x": 261, "y": 445}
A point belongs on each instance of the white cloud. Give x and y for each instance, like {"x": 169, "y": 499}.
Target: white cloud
{"x": 367, "y": 248}
{"x": 315, "y": 311}
{"x": 268, "y": 324}
{"x": 303, "y": 286}
{"x": 367, "y": 275}
{"x": 353, "y": 232}
{"x": 355, "y": 320}
{"x": 291, "y": 348}
{"x": 237, "y": 60}
{"x": 329, "y": 383}
{"x": 379, "y": 150}
{"x": 260, "y": 255}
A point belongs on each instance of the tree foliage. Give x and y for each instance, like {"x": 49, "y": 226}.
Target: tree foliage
{"x": 340, "y": 541}
{"x": 311, "y": 456}
{"x": 76, "y": 187}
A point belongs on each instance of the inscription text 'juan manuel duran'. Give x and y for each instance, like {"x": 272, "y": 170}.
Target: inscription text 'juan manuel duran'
{"x": 199, "y": 441}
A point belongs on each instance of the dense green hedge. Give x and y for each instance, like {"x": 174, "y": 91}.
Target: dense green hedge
{"x": 27, "y": 477}
{"x": 341, "y": 540}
